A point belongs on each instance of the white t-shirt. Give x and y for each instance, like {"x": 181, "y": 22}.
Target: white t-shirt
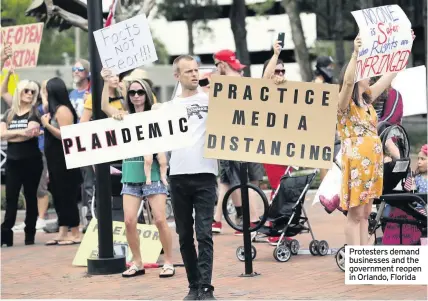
{"x": 191, "y": 160}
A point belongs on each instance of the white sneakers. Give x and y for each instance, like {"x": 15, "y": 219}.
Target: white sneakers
{"x": 41, "y": 223}
{"x": 19, "y": 227}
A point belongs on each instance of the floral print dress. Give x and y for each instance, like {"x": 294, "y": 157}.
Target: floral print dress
{"x": 362, "y": 156}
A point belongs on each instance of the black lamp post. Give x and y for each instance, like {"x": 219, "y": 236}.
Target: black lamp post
{"x": 106, "y": 263}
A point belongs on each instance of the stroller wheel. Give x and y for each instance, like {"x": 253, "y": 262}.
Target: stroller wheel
{"x": 340, "y": 258}
{"x": 282, "y": 253}
{"x": 322, "y": 248}
{"x": 240, "y": 253}
{"x": 294, "y": 247}
{"x": 313, "y": 247}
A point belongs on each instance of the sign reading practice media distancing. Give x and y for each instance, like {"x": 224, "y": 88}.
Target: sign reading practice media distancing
{"x": 254, "y": 120}
{"x": 386, "y": 37}
{"x": 126, "y": 45}
{"x": 138, "y": 134}
{"x": 25, "y": 41}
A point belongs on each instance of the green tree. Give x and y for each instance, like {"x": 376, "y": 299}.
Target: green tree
{"x": 53, "y": 44}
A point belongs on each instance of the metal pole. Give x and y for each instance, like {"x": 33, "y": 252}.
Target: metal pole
{"x": 243, "y": 175}
{"x": 106, "y": 263}
{"x": 77, "y": 43}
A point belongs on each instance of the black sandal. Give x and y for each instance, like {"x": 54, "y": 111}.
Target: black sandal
{"x": 136, "y": 269}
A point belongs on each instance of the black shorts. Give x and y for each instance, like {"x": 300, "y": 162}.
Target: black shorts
{"x": 229, "y": 172}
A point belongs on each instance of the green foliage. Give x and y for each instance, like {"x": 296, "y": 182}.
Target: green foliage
{"x": 161, "y": 51}
{"x": 15, "y": 9}
{"x": 263, "y": 7}
{"x": 53, "y": 44}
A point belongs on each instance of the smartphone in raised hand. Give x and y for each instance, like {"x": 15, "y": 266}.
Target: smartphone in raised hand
{"x": 281, "y": 39}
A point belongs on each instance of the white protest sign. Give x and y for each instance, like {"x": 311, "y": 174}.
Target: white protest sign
{"x": 411, "y": 83}
{"x": 126, "y": 45}
{"x": 138, "y": 134}
{"x": 386, "y": 37}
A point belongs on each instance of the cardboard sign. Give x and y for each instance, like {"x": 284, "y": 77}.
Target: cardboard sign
{"x": 138, "y": 134}
{"x": 13, "y": 81}
{"x": 411, "y": 83}
{"x": 254, "y": 120}
{"x": 391, "y": 235}
{"x": 25, "y": 41}
{"x": 150, "y": 245}
{"x": 386, "y": 37}
{"x": 126, "y": 45}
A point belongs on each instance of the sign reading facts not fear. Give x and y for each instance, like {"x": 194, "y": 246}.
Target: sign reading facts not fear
{"x": 254, "y": 120}
{"x": 138, "y": 134}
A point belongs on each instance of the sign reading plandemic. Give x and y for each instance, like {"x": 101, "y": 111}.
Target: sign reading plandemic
{"x": 254, "y": 120}
{"x": 138, "y": 134}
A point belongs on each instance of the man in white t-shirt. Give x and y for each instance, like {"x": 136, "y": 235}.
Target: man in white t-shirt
{"x": 193, "y": 185}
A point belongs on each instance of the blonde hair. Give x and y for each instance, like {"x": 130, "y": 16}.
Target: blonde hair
{"x": 16, "y": 100}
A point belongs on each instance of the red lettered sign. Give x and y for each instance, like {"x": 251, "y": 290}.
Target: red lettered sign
{"x": 25, "y": 41}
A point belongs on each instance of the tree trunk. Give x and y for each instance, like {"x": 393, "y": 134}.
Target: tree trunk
{"x": 366, "y": 4}
{"x": 237, "y": 23}
{"x": 338, "y": 36}
{"x": 300, "y": 49}
{"x": 190, "y": 44}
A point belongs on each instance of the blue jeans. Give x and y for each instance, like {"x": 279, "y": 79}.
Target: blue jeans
{"x": 199, "y": 192}
{"x": 386, "y": 210}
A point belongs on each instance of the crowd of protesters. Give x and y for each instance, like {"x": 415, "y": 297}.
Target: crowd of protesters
{"x": 35, "y": 157}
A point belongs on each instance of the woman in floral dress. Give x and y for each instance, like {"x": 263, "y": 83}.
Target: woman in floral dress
{"x": 362, "y": 156}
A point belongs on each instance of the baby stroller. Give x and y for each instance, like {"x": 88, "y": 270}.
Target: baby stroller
{"x": 396, "y": 148}
{"x": 287, "y": 217}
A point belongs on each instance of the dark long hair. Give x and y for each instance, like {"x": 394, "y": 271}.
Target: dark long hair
{"x": 278, "y": 62}
{"x": 356, "y": 92}
{"x": 39, "y": 96}
{"x": 148, "y": 103}
{"x": 58, "y": 96}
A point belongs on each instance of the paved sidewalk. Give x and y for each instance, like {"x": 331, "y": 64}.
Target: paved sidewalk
{"x": 42, "y": 272}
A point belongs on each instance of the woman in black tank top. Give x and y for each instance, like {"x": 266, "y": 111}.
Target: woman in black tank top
{"x": 65, "y": 183}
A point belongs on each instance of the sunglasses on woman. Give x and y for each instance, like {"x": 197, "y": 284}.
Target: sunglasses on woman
{"x": 139, "y": 92}
{"x": 280, "y": 71}
{"x": 29, "y": 91}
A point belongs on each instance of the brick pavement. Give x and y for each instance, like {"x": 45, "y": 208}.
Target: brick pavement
{"x": 46, "y": 272}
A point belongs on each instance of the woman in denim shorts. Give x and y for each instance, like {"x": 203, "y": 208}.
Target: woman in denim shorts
{"x": 139, "y": 98}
